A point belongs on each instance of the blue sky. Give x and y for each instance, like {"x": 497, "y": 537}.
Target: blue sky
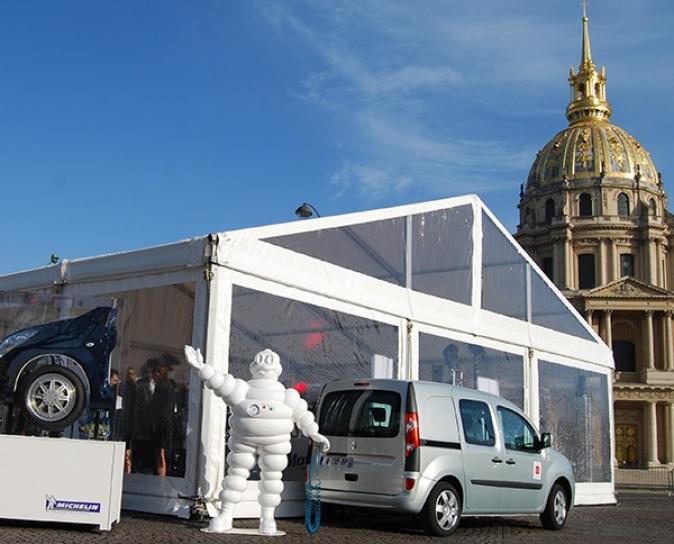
{"x": 134, "y": 123}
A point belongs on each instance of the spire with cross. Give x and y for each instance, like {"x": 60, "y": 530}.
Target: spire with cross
{"x": 584, "y": 3}
{"x": 588, "y": 86}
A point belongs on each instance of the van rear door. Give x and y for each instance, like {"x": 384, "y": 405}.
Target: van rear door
{"x": 366, "y": 436}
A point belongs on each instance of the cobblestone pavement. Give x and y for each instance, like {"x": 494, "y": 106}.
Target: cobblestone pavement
{"x": 639, "y": 517}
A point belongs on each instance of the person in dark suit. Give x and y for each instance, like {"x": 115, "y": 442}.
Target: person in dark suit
{"x": 126, "y": 416}
{"x": 161, "y": 409}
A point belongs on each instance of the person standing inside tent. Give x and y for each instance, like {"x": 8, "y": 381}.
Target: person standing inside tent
{"x": 126, "y": 415}
{"x": 161, "y": 408}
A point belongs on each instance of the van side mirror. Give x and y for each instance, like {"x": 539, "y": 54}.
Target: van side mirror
{"x": 545, "y": 441}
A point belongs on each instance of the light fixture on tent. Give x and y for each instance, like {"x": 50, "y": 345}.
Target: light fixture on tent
{"x": 306, "y": 210}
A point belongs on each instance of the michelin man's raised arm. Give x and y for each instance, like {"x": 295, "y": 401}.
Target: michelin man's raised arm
{"x": 227, "y": 387}
{"x": 304, "y": 419}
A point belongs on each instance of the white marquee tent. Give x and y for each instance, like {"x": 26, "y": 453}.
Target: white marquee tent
{"x": 434, "y": 291}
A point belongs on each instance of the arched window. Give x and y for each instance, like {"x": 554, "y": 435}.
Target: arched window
{"x": 549, "y": 210}
{"x": 624, "y": 355}
{"x": 652, "y": 208}
{"x": 623, "y": 205}
{"x": 585, "y": 205}
{"x": 626, "y": 265}
{"x": 586, "y": 271}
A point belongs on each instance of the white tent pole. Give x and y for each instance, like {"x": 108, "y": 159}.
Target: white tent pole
{"x": 199, "y": 324}
{"x": 214, "y": 412}
{"x": 534, "y": 401}
{"x": 409, "y": 237}
{"x": 476, "y": 301}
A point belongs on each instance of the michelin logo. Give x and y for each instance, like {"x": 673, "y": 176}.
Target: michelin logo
{"x": 58, "y": 505}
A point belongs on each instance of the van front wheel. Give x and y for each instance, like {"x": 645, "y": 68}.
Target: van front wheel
{"x": 556, "y": 509}
{"x": 442, "y": 510}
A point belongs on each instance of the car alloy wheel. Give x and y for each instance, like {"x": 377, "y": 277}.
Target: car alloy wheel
{"x": 447, "y": 510}
{"x": 560, "y": 507}
{"x": 51, "y": 397}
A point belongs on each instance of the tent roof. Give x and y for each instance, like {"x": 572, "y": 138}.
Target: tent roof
{"x": 406, "y": 252}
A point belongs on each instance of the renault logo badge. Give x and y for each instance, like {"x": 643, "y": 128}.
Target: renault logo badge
{"x": 353, "y": 445}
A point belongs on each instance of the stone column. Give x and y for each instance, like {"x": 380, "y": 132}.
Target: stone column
{"x": 588, "y": 316}
{"x": 606, "y": 328}
{"x": 602, "y": 269}
{"x": 665, "y": 266}
{"x": 652, "y": 430}
{"x": 648, "y": 349}
{"x": 652, "y": 262}
{"x": 568, "y": 264}
{"x": 558, "y": 264}
{"x": 613, "y": 257}
{"x": 670, "y": 433}
{"x": 669, "y": 341}
{"x": 658, "y": 265}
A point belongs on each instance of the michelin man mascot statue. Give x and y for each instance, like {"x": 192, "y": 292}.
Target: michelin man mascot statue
{"x": 263, "y": 414}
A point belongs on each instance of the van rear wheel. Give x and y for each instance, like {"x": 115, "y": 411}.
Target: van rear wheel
{"x": 442, "y": 510}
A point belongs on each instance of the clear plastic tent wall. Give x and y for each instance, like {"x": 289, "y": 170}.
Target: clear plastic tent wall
{"x": 435, "y": 291}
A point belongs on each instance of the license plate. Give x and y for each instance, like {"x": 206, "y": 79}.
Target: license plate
{"x": 336, "y": 461}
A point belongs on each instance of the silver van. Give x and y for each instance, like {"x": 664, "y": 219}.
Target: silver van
{"x": 439, "y": 451}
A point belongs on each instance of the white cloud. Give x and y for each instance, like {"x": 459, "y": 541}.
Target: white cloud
{"x": 373, "y": 180}
{"x": 398, "y": 74}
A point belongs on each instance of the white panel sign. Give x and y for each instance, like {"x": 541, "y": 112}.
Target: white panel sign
{"x": 61, "y": 480}
{"x": 382, "y": 367}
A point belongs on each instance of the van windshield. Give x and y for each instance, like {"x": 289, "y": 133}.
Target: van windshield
{"x": 360, "y": 413}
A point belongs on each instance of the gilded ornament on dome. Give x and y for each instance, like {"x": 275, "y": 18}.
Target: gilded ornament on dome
{"x": 643, "y": 158}
{"x": 634, "y": 141}
{"x": 617, "y": 152}
{"x": 584, "y": 151}
{"x": 646, "y": 168}
{"x": 553, "y": 162}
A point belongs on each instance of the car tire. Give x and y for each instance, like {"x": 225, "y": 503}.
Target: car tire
{"x": 442, "y": 511}
{"x": 556, "y": 509}
{"x": 52, "y": 398}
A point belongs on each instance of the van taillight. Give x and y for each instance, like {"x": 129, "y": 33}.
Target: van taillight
{"x": 411, "y": 433}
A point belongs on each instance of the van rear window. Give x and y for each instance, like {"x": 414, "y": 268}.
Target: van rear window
{"x": 366, "y": 413}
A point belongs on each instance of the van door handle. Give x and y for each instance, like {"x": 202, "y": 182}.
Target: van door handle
{"x": 496, "y": 460}
{"x": 510, "y": 462}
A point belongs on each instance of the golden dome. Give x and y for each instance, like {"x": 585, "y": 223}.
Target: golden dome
{"x": 590, "y": 147}
{"x": 592, "y": 150}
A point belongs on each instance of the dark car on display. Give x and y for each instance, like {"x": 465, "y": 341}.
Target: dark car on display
{"x": 51, "y": 372}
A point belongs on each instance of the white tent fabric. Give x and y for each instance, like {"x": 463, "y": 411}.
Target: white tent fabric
{"x": 415, "y": 285}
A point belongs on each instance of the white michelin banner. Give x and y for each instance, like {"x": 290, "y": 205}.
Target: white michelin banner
{"x": 65, "y": 481}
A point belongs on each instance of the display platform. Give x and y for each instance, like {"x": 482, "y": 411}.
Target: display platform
{"x": 61, "y": 480}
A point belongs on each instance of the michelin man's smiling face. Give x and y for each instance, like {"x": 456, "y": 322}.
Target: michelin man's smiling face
{"x": 266, "y": 366}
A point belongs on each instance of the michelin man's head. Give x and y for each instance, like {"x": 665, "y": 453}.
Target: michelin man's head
{"x": 266, "y": 366}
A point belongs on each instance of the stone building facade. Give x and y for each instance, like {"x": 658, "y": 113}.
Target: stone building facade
{"x": 594, "y": 216}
